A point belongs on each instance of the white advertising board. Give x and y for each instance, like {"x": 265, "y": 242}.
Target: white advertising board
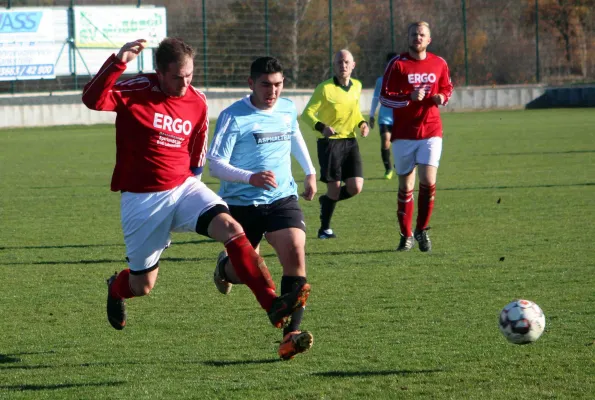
{"x": 27, "y": 49}
{"x": 112, "y": 27}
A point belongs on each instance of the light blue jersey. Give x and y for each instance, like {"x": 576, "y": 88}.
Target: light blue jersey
{"x": 256, "y": 140}
{"x": 385, "y": 114}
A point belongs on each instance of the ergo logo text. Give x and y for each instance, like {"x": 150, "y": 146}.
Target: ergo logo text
{"x": 421, "y": 78}
{"x": 167, "y": 123}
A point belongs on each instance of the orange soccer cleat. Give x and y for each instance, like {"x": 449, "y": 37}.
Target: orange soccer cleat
{"x": 295, "y": 343}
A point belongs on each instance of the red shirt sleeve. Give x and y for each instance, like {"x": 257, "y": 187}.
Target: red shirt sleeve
{"x": 445, "y": 86}
{"x": 199, "y": 142}
{"x": 98, "y": 94}
{"x": 391, "y": 92}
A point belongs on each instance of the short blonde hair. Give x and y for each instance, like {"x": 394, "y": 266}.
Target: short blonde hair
{"x": 418, "y": 24}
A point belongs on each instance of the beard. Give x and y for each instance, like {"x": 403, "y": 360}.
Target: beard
{"x": 421, "y": 49}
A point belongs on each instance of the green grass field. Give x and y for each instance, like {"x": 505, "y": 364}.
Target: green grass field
{"x": 386, "y": 325}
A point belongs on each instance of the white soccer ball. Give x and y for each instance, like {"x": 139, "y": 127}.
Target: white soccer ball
{"x": 522, "y": 322}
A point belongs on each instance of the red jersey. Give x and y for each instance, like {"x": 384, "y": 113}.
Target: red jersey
{"x": 158, "y": 138}
{"x": 415, "y": 119}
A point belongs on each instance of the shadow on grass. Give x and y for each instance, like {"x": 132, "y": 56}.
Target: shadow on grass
{"x": 349, "y": 374}
{"x": 395, "y": 190}
{"x": 106, "y": 261}
{"x": 10, "y": 358}
{"x": 214, "y": 363}
{"x": 26, "y": 367}
{"x": 7, "y": 359}
{"x": 90, "y": 246}
{"x": 341, "y": 253}
{"x": 380, "y": 178}
{"x": 23, "y": 388}
{"x": 520, "y": 186}
{"x": 190, "y": 259}
{"x": 537, "y": 153}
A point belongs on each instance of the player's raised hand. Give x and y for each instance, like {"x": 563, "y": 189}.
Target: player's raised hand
{"x": 265, "y": 180}
{"x": 364, "y": 129}
{"x": 309, "y": 187}
{"x": 418, "y": 94}
{"x": 131, "y": 50}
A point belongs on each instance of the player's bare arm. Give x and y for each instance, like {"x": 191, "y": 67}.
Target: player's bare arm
{"x": 131, "y": 50}
{"x": 310, "y": 188}
{"x": 265, "y": 180}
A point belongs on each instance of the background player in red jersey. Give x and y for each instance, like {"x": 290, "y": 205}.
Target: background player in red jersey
{"x": 414, "y": 85}
{"x": 161, "y": 135}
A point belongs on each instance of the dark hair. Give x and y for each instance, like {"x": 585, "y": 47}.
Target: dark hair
{"x": 172, "y": 50}
{"x": 265, "y": 65}
{"x": 390, "y": 56}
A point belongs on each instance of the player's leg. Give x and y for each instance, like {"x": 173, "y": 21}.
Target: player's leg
{"x": 250, "y": 218}
{"x": 286, "y": 234}
{"x": 206, "y": 213}
{"x": 328, "y": 202}
{"x": 352, "y": 171}
{"x": 251, "y": 270}
{"x": 404, "y": 156}
{"x": 290, "y": 244}
{"x": 385, "y": 134}
{"x": 428, "y": 159}
{"x": 146, "y": 220}
{"x": 330, "y": 158}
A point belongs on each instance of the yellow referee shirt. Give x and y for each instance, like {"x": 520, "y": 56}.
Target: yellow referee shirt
{"x": 336, "y": 106}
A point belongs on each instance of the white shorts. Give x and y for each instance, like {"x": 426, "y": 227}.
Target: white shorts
{"x": 408, "y": 153}
{"x": 148, "y": 219}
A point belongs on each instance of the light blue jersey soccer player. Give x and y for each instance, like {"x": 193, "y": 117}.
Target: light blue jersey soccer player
{"x": 385, "y": 123}
{"x": 251, "y": 154}
{"x": 248, "y": 140}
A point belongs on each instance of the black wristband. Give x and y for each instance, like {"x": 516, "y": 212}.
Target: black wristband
{"x": 319, "y": 126}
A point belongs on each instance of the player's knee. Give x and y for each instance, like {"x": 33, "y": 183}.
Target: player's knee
{"x": 214, "y": 217}
{"x": 356, "y": 188}
{"x": 223, "y": 227}
{"x": 230, "y": 226}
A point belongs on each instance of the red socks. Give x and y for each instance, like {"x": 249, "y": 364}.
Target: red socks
{"x": 120, "y": 289}
{"x": 405, "y": 211}
{"x": 246, "y": 262}
{"x": 425, "y": 206}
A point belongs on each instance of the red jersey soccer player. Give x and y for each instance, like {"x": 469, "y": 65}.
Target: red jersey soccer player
{"x": 414, "y": 85}
{"x": 161, "y": 136}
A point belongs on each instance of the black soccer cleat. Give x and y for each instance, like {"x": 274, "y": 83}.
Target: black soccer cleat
{"x": 406, "y": 243}
{"x": 326, "y": 234}
{"x": 283, "y": 306}
{"x": 116, "y": 308}
{"x": 425, "y": 244}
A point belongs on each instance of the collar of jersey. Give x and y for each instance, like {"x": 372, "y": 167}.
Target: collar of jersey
{"x": 345, "y": 88}
{"x": 249, "y": 103}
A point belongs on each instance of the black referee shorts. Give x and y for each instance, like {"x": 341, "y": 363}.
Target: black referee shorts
{"x": 339, "y": 159}
{"x": 257, "y": 220}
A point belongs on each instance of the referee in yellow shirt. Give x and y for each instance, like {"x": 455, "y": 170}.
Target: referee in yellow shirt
{"x": 334, "y": 112}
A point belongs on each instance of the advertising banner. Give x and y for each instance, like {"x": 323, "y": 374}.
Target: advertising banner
{"x": 27, "y": 48}
{"x": 112, "y": 27}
